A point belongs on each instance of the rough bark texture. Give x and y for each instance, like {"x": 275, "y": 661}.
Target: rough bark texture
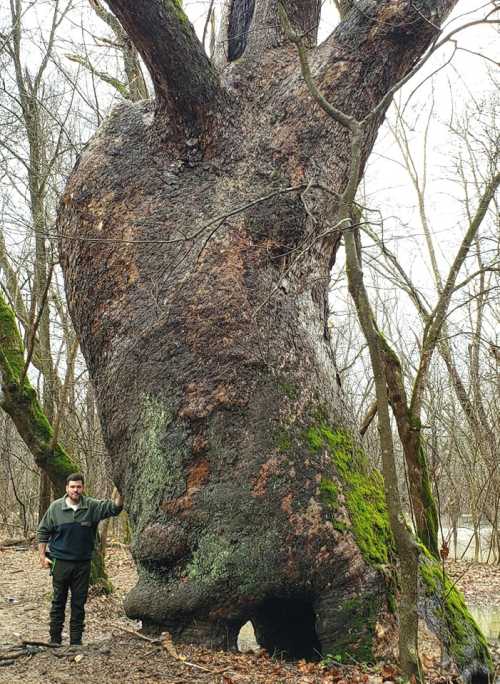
{"x": 209, "y": 350}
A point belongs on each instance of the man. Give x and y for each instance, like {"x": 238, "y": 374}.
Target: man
{"x": 70, "y": 526}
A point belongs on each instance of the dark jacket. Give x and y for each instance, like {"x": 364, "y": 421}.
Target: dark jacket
{"x": 71, "y": 534}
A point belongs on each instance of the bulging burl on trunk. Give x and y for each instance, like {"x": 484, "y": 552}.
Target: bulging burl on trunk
{"x": 197, "y": 234}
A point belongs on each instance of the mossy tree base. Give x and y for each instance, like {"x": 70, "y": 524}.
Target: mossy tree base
{"x": 444, "y": 610}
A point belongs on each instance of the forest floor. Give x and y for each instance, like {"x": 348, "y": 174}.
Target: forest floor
{"x": 113, "y": 652}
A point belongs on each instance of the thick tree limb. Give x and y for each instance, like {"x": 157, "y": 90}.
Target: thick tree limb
{"x": 379, "y": 45}
{"x": 21, "y": 403}
{"x": 343, "y": 7}
{"x": 251, "y": 27}
{"x": 137, "y": 89}
{"x": 185, "y": 82}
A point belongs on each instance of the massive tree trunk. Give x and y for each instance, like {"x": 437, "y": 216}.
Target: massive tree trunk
{"x": 197, "y": 233}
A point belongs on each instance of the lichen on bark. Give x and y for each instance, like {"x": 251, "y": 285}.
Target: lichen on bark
{"x": 157, "y": 458}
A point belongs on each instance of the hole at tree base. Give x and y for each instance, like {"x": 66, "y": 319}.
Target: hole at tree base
{"x": 284, "y": 628}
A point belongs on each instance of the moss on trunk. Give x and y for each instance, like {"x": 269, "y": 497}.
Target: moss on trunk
{"x": 362, "y": 492}
{"x": 444, "y": 609}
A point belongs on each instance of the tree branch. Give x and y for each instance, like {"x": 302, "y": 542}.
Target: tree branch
{"x": 186, "y": 84}
{"x": 367, "y": 420}
{"x": 20, "y": 401}
{"x": 102, "y": 75}
{"x": 380, "y": 45}
{"x": 435, "y": 323}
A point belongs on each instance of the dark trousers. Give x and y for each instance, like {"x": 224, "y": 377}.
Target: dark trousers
{"x": 70, "y": 576}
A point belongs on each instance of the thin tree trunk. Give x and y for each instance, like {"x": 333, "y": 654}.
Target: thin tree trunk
{"x": 44, "y": 494}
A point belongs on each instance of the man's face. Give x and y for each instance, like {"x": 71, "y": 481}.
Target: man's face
{"x": 74, "y": 490}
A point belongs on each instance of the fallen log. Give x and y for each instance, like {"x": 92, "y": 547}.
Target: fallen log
{"x": 19, "y": 541}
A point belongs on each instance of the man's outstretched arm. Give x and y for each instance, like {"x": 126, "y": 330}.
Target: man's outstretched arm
{"x": 106, "y": 508}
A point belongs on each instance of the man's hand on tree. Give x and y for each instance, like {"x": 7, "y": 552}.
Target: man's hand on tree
{"x": 117, "y": 498}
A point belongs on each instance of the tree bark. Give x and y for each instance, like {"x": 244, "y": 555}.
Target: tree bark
{"x": 197, "y": 271}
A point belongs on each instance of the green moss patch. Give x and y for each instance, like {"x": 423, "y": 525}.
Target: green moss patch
{"x": 448, "y": 615}
{"x": 429, "y": 536}
{"x": 363, "y": 490}
{"x": 20, "y": 401}
{"x": 11, "y": 345}
{"x": 289, "y": 390}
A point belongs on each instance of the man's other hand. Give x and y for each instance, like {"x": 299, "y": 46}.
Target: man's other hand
{"x": 45, "y": 562}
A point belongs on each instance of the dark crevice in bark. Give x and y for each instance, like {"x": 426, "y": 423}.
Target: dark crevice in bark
{"x": 240, "y": 19}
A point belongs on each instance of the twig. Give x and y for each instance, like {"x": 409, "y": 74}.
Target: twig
{"x": 136, "y": 634}
{"x": 12, "y": 656}
{"x": 25, "y": 642}
{"x": 207, "y": 21}
{"x": 160, "y": 642}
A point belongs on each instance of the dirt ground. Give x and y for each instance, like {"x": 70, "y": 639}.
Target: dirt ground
{"x": 114, "y": 653}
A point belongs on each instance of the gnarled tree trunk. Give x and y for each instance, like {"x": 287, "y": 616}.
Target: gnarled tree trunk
{"x": 197, "y": 233}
